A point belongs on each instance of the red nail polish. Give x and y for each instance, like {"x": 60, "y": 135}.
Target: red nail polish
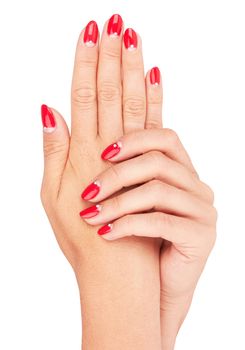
{"x": 48, "y": 119}
{"x": 111, "y": 150}
{"x": 114, "y": 27}
{"x": 105, "y": 229}
{"x": 155, "y": 76}
{"x": 91, "y": 34}
{"x": 90, "y": 212}
{"x": 91, "y": 191}
{"x": 130, "y": 39}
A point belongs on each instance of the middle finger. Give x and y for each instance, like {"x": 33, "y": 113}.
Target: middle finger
{"x": 109, "y": 79}
{"x": 134, "y": 94}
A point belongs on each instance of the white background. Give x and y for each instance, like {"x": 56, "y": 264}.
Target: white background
{"x": 199, "y": 46}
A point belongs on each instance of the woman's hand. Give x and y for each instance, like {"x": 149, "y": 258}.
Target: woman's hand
{"x": 119, "y": 283}
{"x": 169, "y": 202}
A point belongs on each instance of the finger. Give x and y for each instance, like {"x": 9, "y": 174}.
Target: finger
{"x": 184, "y": 233}
{"x": 109, "y": 79}
{"x": 153, "y": 99}
{"x": 56, "y": 146}
{"x": 153, "y": 195}
{"x": 134, "y": 95}
{"x": 151, "y": 165}
{"x": 83, "y": 92}
{"x": 163, "y": 140}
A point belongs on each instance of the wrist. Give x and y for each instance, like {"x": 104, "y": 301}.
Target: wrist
{"x": 119, "y": 291}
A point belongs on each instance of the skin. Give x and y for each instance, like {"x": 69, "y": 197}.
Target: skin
{"x": 119, "y": 283}
{"x": 160, "y": 209}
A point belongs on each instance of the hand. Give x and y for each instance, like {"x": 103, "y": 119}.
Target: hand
{"x": 169, "y": 202}
{"x": 119, "y": 284}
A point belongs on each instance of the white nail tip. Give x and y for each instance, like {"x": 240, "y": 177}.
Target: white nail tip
{"x": 131, "y": 48}
{"x": 49, "y": 130}
{"x": 90, "y": 43}
{"x": 114, "y": 35}
{"x": 98, "y": 207}
{"x": 97, "y": 183}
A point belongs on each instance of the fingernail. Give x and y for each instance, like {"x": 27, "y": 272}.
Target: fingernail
{"x": 91, "y": 34}
{"x": 155, "y": 76}
{"x": 91, "y": 211}
{"x": 130, "y": 39}
{"x": 111, "y": 150}
{"x": 114, "y": 27}
{"x": 91, "y": 191}
{"x": 48, "y": 119}
{"x": 105, "y": 229}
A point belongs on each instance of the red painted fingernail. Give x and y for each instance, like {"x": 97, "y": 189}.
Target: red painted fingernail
{"x": 111, "y": 150}
{"x": 155, "y": 76}
{"x": 48, "y": 119}
{"x": 91, "y": 191}
{"x": 91, "y": 34}
{"x": 91, "y": 211}
{"x": 114, "y": 27}
{"x": 130, "y": 39}
{"x": 105, "y": 229}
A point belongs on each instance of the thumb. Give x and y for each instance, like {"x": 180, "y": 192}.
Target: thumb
{"x": 56, "y": 141}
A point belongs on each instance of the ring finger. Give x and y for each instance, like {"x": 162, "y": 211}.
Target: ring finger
{"x": 153, "y": 195}
{"x": 134, "y": 95}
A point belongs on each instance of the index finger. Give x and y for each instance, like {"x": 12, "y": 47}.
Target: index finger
{"x": 142, "y": 141}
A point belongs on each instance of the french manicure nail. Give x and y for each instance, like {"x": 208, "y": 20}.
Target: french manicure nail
{"x": 48, "y": 119}
{"x": 114, "y": 27}
{"x": 130, "y": 39}
{"x": 91, "y": 191}
{"x": 155, "y": 76}
{"x": 105, "y": 229}
{"x": 91, "y": 34}
{"x": 111, "y": 150}
{"x": 91, "y": 211}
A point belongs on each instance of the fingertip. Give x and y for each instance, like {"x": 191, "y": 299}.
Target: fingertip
{"x": 48, "y": 119}
{"x": 103, "y": 230}
{"x": 154, "y": 77}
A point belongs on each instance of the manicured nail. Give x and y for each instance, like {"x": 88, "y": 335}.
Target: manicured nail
{"x": 114, "y": 27}
{"x": 105, "y": 229}
{"x": 111, "y": 150}
{"x": 91, "y": 211}
{"x": 155, "y": 76}
{"x": 130, "y": 39}
{"x": 91, "y": 191}
{"x": 48, "y": 120}
{"x": 91, "y": 34}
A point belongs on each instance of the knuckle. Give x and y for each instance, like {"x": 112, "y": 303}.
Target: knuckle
{"x": 53, "y": 148}
{"x": 155, "y": 186}
{"x": 159, "y": 220}
{"x": 84, "y": 96}
{"x": 115, "y": 173}
{"x": 109, "y": 92}
{"x": 111, "y": 54}
{"x": 172, "y": 137}
{"x": 154, "y": 124}
{"x": 155, "y": 156}
{"x": 117, "y": 204}
{"x": 134, "y": 106}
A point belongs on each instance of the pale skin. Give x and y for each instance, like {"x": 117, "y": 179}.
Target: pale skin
{"x": 135, "y": 291}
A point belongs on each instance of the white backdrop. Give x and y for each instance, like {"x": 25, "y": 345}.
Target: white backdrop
{"x": 199, "y": 46}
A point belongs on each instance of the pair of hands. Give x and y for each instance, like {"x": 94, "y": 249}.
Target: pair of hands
{"x": 143, "y": 185}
